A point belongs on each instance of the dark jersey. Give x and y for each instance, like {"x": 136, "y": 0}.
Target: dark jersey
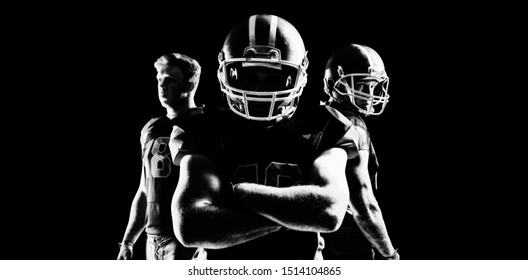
{"x": 348, "y": 242}
{"x": 278, "y": 155}
{"x": 161, "y": 177}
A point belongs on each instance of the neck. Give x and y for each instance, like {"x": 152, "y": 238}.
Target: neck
{"x": 183, "y": 106}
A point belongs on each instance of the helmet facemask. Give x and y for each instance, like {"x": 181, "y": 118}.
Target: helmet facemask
{"x": 368, "y": 92}
{"x": 260, "y": 86}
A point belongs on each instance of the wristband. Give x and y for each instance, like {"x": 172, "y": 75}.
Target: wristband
{"x": 394, "y": 256}
{"x": 126, "y": 243}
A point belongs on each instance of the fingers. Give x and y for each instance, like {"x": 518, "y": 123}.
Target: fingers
{"x": 124, "y": 255}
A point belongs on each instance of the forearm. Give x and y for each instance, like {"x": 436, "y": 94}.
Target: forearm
{"x": 217, "y": 227}
{"x": 369, "y": 218}
{"x": 205, "y": 213}
{"x": 136, "y": 220}
{"x": 304, "y": 208}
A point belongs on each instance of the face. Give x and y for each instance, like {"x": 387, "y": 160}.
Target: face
{"x": 171, "y": 85}
{"x": 366, "y": 86}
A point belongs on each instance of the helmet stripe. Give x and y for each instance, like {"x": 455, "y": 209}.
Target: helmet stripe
{"x": 252, "y": 23}
{"x": 377, "y": 60}
{"x": 366, "y": 53}
{"x": 273, "y": 31}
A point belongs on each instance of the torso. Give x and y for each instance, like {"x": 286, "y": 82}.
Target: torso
{"x": 277, "y": 156}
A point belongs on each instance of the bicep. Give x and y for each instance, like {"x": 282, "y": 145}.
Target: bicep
{"x": 362, "y": 197}
{"x": 180, "y": 145}
{"x": 329, "y": 168}
{"x": 142, "y": 181}
{"x": 357, "y": 171}
{"x": 199, "y": 181}
{"x": 329, "y": 173}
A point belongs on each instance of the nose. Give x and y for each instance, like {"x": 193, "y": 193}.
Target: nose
{"x": 162, "y": 86}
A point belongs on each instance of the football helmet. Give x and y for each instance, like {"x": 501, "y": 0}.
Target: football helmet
{"x": 262, "y": 68}
{"x": 355, "y": 76}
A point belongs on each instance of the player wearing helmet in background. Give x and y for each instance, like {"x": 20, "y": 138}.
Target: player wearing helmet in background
{"x": 257, "y": 183}
{"x": 356, "y": 83}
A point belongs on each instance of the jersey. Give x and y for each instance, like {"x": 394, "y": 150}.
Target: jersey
{"x": 348, "y": 242}
{"x": 276, "y": 155}
{"x": 161, "y": 177}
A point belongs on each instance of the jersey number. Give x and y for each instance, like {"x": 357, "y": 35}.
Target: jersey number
{"x": 276, "y": 174}
{"x": 160, "y": 162}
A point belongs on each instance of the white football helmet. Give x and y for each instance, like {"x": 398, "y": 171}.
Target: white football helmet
{"x": 355, "y": 76}
{"x": 262, "y": 68}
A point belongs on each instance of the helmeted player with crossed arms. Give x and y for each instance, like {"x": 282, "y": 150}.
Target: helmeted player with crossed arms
{"x": 255, "y": 182}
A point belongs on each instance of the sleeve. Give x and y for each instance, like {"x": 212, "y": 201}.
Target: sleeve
{"x": 180, "y": 145}
{"x": 341, "y": 132}
{"x": 350, "y": 142}
{"x": 362, "y": 142}
{"x": 145, "y": 131}
{"x": 142, "y": 140}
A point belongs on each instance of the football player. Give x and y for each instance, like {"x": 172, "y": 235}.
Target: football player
{"x": 257, "y": 183}
{"x": 356, "y": 84}
{"x": 178, "y": 77}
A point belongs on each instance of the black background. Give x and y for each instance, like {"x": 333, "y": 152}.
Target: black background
{"x": 87, "y": 86}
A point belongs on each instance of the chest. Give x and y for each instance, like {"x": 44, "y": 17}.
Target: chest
{"x": 266, "y": 157}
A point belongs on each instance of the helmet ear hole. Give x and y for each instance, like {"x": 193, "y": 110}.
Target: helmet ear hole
{"x": 340, "y": 71}
{"x": 328, "y": 85}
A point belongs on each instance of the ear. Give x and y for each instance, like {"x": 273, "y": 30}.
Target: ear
{"x": 328, "y": 85}
{"x": 188, "y": 87}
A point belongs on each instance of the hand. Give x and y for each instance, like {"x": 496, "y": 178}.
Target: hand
{"x": 125, "y": 251}
{"x": 377, "y": 256}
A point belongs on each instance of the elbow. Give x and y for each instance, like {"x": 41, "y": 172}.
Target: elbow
{"x": 364, "y": 205}
{"x": 330, "y": 224}
{"x": 186, "y": 235}
{"x": 187, "y": 240}
{"x": 182, "y": 236}
{"x": 333, "y": 217}
{"x": 365, "y": 211}
{"x": 332, "y": 221}
{"x": 183, "y": 227}
{"x": 179, "y": 231}
{"x": 335, "y": 209}
{"x": 192, "y": 229}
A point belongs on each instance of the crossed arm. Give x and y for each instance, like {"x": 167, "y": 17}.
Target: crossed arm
{"x": 209, "y": 212}
{"x": 318, "y": 206}
{"x": 205, "y": 213}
